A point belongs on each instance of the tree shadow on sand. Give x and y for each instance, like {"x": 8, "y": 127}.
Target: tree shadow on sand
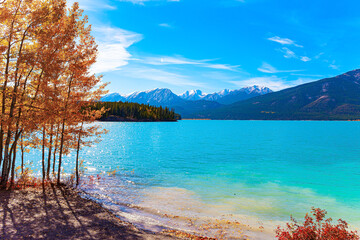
{"x": 60, "y": 213}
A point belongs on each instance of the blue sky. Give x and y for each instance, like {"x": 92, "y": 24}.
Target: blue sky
{"x": 216, "y": 44}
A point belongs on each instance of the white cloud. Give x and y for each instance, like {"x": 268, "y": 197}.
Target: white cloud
{"x": 96, "y": 5}
{"x": 273, "y": 82}
{"x": 158, "y": 75}
{"x": 319, "y": 55}
{"x": 179, "y": 60}
{"x": 308, "y": 75}
{"x": 284, "y": 41}
{"x": 305, "y": 59}
{"x": 223, "y": 67}
{"x": 167, "y": 60}
{"x": 288, "y": 53}
{"x": 141, "y": 2}
{"x": 165, "y": 25}
{"x": 267, "y": 68}
{"x": 333, "y": 66}
{"x": 113, "y": 44}
{"x": 92, "y": 5}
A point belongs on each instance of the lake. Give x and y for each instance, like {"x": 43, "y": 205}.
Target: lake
{"x": 209, "y": 175}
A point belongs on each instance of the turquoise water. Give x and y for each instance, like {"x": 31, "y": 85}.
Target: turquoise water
{"x": 263, "y": 169}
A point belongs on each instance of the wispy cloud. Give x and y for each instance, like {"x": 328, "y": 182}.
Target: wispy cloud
{"x": 273, "y": 82}
{"x": 113, "y": 44}
{"x": 291, "y": 54}
{"x": 319, "y": 55}
{"x": 167, "y": 60}
{"x": 288, "y": 53}
{"x": 179, "y": 60}
{"x": 142, "y": 2}
{"x": 165, "y": 25}
{"x": 223, "y": 67}
{"x": 305, "y": 59}
{"x": 267, "y": 68}
{"x": 333, "y": 66}
{"x": 159, "y": 75}
{"x": 308, "y": 75}
{"x": 92, "y": 5}
{"x": 284, "y": 41}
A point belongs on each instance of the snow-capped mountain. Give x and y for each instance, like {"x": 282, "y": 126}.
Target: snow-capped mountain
{"x": 113, "y": 97}
{"x": 218, "y": 95}
{"x": 190, "y": 102}
{"x": 243, "y": 94}
{"x": 257, "y": 89}
{"x": 157, "y": 97}
{"x": 164, "y": 96}
{"x": 193, "y": 95}
{"x": 226, "y": 96}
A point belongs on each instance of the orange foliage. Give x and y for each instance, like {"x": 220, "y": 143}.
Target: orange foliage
{"x": 46, "y": 87}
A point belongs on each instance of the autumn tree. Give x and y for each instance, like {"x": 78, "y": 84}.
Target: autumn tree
{"x": 45, "y": 82}
{"x": 316, "y": 227}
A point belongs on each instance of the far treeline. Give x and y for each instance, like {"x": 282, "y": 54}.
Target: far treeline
{"x": 134, "y": 112}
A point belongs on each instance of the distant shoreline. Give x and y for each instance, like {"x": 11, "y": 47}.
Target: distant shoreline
{"x": 134, "y": 121}
{"x": 208, "y": 119}
{"x": 122, "y": 119}
{"x": 290, "y": 120}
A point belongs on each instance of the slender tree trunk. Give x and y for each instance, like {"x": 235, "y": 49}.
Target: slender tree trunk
{"x": 77, "y": 155}
{"x": 12, "y": 157}
{"x": 61, "y": 150}
{"x": 1, "y": 146}
{"x": 43, "y": 156}
{"x": 22, "y": 155}
{"x": 54, "y": 161}
{"x": 49, "y": 153}
{"x": 6, "y": 167}
{"x": 13, "y": 166}
{"x": 56, "y": 148}
{"x": 7, "y": 160}
{"x": 63, "y": 129}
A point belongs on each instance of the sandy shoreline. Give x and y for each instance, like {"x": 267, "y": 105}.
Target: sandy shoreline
{"x": 61, "y": 213}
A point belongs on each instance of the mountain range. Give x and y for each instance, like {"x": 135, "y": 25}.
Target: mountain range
{"x": 336, "y": 98}
{"x": 191, "y": 102}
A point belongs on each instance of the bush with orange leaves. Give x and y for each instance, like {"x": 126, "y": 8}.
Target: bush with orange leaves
{"x": 316, "y": 227}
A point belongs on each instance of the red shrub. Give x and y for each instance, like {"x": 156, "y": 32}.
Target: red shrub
{"x": 316, "y": 227}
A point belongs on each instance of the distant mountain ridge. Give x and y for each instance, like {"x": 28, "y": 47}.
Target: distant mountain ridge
{"x": 164, "y": 96}
{"x": 189, "y": 103}
{"x": 336, "y": 98}
{"x": 226, "y": 96}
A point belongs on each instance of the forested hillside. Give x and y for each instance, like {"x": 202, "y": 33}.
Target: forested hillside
{"x": 134, "y": 112}
{"x": 336, "y": 98}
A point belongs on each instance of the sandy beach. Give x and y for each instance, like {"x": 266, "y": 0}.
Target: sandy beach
{"x": 61, "y": 213}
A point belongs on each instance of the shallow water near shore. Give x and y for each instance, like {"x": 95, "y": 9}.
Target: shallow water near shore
{"x": 204, "y": 176}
